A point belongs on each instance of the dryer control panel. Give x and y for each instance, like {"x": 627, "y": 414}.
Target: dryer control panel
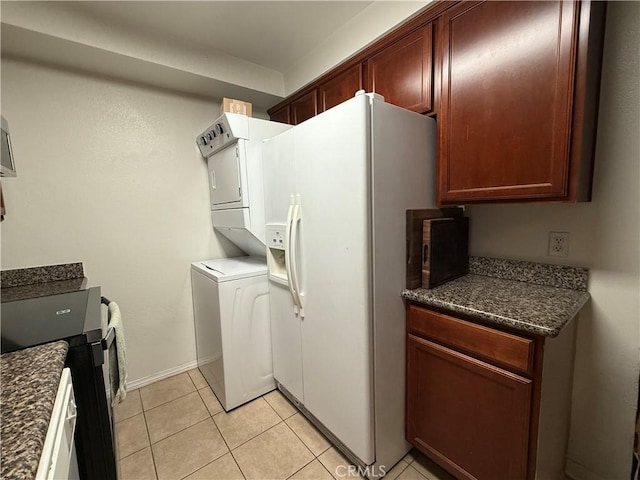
{"x": 227, "y": 129}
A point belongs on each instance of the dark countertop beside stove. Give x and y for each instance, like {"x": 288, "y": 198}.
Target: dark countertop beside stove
{"x": 30, "y": 380}
{"x": 33, "y": 282}
{"x": 30, "y": 377}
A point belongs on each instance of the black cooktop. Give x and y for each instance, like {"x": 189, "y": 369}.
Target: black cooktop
{"x": 34, "y": 320}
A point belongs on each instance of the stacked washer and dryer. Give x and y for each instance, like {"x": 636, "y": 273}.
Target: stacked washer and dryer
{"x": 231, "y": 295}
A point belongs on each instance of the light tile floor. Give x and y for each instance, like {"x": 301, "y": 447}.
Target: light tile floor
{"x": 176, "y": 428}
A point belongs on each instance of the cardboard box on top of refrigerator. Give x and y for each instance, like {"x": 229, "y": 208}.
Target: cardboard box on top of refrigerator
{"x": 230, "y": 105}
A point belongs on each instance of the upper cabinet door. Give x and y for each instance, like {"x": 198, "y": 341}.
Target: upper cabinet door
{"x": 281, "y": 115}
{"x": 403, "y": 71}
{"x": 304, "y": 107}
{"x": 341, "y": 88}
{"x": 507, "y": 91}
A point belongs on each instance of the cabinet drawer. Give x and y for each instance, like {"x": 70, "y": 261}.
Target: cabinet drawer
{"x": 505, "y": 349}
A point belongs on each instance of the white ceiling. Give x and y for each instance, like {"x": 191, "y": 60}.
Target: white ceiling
{"x": 274, "y": 34}
{"x": 259, "y": 51}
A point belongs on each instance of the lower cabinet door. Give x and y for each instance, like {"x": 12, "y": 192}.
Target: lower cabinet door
{"x": 468, "y": 415}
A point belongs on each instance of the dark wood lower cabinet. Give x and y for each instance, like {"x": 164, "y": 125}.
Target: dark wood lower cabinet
{"x": 472, "y": 416}
{"x": 488, "y": 403}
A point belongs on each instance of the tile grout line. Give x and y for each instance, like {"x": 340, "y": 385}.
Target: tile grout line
{"x": 146, "y": 425}
{"x": 117, "y": 453}
{"x": 217, "y": 458}
{"x": 225, "y": 442}
{"x": 149, "y": 433}
{"x": 177, "y": 431}
{"x": 298, "y": 412}
{"x": 159, "y": 381}
{"x": 256, "y": 435}
{"x": 229, "y": 450}
{"x": 215, "y": 425}
{"x": 205, "y": 403}
{"x": 204, "y": 420}
{"x": 401, "y": 471}
{"x": 119, "y": 459}
{"x": 304, "y": 466}
{"x": 166, "y": 403}
{"x": 144, "y": 417}
{"x": 162, "y": 439}
{"x": 324, "y": 466}
{"x": 303, "y": 442}
{"x": 270, "y": 428}
{"x": 153, "y": 458}
{"x": 274, "y": 409}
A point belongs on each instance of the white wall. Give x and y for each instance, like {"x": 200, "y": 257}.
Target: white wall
{"x": 109, "y": 175}
{"x": 605, "y": 237}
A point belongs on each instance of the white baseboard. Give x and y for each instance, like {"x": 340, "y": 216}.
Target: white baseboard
{"x": 577, "y": 471}
{"x": 161, "y": 375}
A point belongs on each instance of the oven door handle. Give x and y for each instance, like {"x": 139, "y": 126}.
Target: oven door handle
{"x": 103, "y": 345}
{"x": 108, "y": 339}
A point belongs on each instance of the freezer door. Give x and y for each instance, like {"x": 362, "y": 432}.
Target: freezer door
{"x": 279, "y": 176}
{"x": 279, "y": 184}
{"x": 224, "y": 178}
{"x": 334, "y": 271}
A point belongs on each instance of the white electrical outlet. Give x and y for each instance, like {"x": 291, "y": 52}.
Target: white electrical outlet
{"x": 558, "y": 244}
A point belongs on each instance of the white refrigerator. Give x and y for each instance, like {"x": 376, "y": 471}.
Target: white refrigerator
{"x": 337, "y": 187}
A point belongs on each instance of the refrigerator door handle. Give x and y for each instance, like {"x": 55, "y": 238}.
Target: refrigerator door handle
{"x": 294, "y": 256}
{"x": 287, "y": 257}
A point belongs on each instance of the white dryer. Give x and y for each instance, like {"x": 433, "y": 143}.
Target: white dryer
{"x": 233, "y": 149}
{"x": 233, "y": 336}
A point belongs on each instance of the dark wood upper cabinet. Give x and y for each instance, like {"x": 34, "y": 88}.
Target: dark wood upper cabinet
{"x": 282, "y": 115}
{"x": 403, "y": 71}
{"x": 514, "y": 85}
{"x": 304, "y": 107}
{"x": 516, "y": 91}
{"x": 341, "y": 88}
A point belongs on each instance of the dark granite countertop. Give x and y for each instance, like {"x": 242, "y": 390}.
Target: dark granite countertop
{"x": 30, "y": 380}
{"x": 44, "y": 289}
{"x": 33, "y": 282}
{"x": 503, "y": 292}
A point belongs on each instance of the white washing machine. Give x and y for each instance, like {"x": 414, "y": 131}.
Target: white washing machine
{"x": 233, "y": 335}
